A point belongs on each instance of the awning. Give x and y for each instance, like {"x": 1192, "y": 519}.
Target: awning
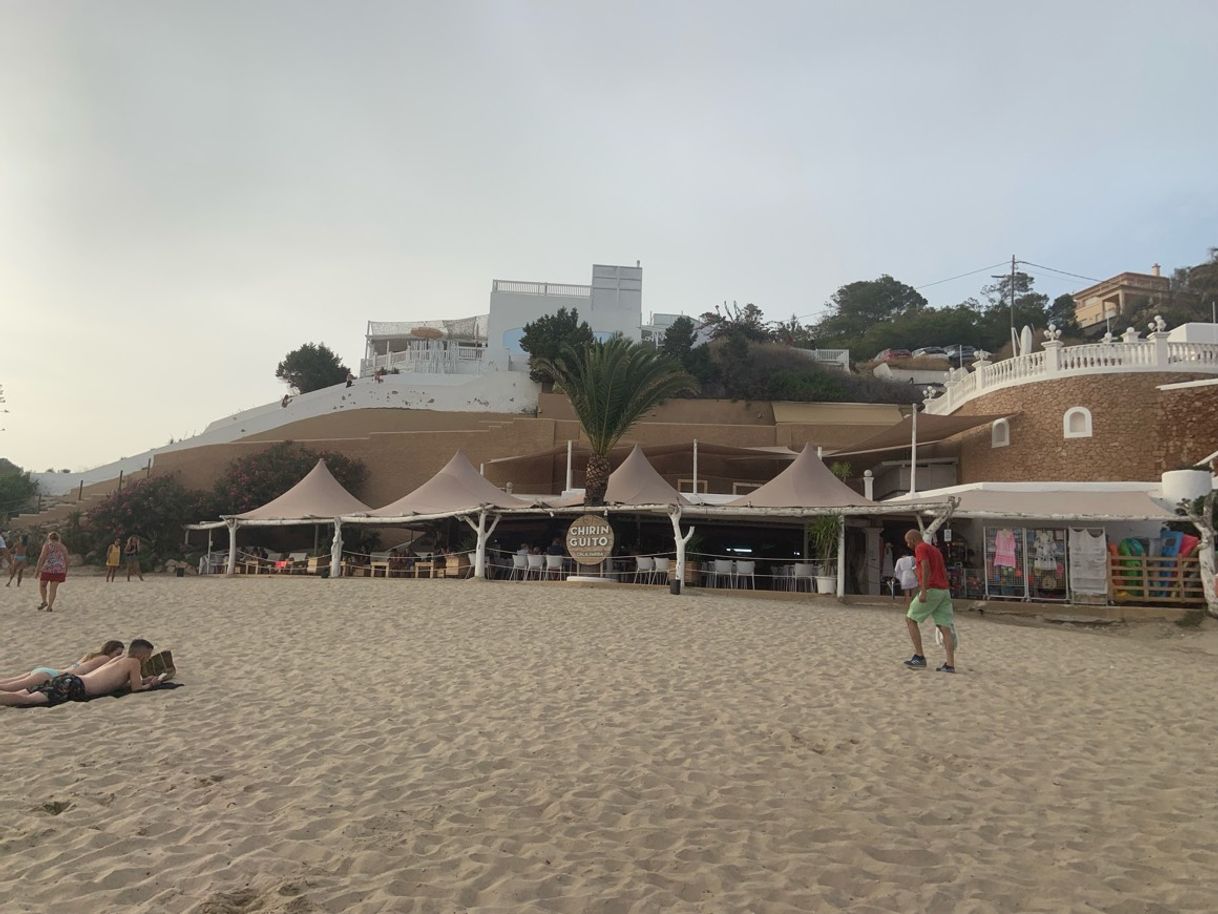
{"x": 636, "y": 482}
{"x": 455, "y": 488}
{"x": 319, "y": 496}
{"x": 1061, "y": 504}
{"x": 806, "y": 483}
{"x": 931, "y": 429}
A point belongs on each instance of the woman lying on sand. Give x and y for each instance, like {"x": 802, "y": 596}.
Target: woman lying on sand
{"x": 85, "y": 664}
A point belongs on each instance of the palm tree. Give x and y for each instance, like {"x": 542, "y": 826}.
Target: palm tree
{"x": 611, "y": 386}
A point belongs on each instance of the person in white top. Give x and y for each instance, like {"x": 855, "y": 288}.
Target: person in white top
{"x": 907, "y": 576}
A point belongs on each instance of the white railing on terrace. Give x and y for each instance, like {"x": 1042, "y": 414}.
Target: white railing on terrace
{"x": 1123, "y": 354}
{"x": 541, "y": 288}
{"x": 428, "y": 357}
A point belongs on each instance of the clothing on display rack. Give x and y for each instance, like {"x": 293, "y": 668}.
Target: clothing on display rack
{"x": 886, "y": 563}
{"x": 1004, "y": 549}
{"x": 1088, "y": 561}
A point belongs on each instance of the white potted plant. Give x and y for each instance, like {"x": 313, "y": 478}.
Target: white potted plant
{"x": 824, "y": 532}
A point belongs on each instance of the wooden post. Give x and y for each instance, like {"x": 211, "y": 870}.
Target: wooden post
{"x": 80, "y": 491}
{"x": 120, "y": 480}
{"x": 680, "y": 542}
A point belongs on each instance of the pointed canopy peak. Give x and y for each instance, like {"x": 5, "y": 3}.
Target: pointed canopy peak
{"x": 456, "y": 487}
{"x": 805, "y": 483}
{"x": 636, "y": 482}
{"x": 317, "y": 495}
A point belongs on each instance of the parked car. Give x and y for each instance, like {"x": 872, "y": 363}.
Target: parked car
{"x": 891, "y": 355}
{"x": 930, "y": 352}
{"x": 962, "y": 354}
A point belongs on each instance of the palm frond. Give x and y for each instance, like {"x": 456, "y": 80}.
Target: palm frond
{"x": 614, "y": 384}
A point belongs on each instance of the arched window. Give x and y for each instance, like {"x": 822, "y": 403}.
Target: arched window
{"x": 1000, "y": 433}
{"x": 1076, "y": 423}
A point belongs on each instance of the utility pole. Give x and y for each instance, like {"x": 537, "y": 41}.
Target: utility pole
{"x": 1012, "y": 296}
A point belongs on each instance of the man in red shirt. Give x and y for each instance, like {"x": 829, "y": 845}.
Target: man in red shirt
{"x": 933, "y": 599}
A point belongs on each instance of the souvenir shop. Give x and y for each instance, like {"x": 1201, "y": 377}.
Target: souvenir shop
{"x": 1062, "y": 561}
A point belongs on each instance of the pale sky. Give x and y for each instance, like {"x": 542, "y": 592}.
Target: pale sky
{"x": 188, "y": 190}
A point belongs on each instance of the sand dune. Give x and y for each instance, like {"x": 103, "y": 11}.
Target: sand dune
{"x": 372, "y": 746}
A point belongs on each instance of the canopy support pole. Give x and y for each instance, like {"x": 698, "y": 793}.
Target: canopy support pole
{"x": 695, "y": 473}
{"x": 680, "y": 542}
{"x": 316, "y": 527}
{"x": 913, "y": 453}
{"x": 484, "y": 534}
{"x": 336, "y": 551}
{"x": 928, "y": 535}
{"x": 232, "y": 548}
{"x": 841, "y": 557}
{"x": 570, "y": 478}
{"x": 209, "y": 551}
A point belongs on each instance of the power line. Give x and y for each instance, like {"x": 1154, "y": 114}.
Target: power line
{"x": 1041, "y": 266}
{"x": 938, "y": 282}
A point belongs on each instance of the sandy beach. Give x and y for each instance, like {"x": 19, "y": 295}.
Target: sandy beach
{"x": 400, "y": 746}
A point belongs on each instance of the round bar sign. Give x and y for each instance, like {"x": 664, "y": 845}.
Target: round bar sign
{"x": 590, "y": 539}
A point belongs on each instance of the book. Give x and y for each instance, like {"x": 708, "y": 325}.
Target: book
{"x": 159, "y": 664}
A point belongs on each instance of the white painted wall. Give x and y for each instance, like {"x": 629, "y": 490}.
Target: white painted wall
{"x": 499, "y": 392}
{"x": 612, "y": 304}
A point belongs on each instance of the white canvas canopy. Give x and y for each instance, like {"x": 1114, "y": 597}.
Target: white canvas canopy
{"x": 636, "y": 482}
{"x": 456, "y": 488}
{"x": 805, "y": 483}
{"x": 319, "y": 496}
{"x": 1062, "y": 504}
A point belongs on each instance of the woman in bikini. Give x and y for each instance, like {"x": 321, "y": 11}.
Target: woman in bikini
{"x": 19, "y": 558}
{"x": 86, "y": 664}
{"x": 51, "y": 570}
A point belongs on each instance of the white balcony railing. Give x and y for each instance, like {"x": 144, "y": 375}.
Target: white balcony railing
{"x": 1122, "y": 354}
{"x": 541, "y": 288}
{"x": 430, "y": 357}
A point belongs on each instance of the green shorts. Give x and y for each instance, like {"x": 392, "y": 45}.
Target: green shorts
{"x": 938, "y": 604}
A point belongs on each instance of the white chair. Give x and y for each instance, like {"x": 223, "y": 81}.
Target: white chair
{"x": 520, "y": 568}
{"x": 536, "y": 565}
{"x": 744, "y": 571}
{"x": 721, "y": 569}
{"x": 554, "y": 566}
{"x": 804, "y": 571}
{"x": 661, "y": 570}
{"x": 644, "y": 567}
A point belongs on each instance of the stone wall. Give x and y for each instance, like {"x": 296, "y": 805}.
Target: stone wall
{"x": 1138, "y": 431}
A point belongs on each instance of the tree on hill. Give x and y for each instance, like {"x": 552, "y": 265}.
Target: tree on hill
{"x": 745, "y": 321}
{"x": 311, "y": 367}
{"x": 613, "y": 385}
{"x": 253, "y": 480}
{"x": 545, "y": 338}
{"x": 858, "y": 306}
{"x": 17, "y": 489}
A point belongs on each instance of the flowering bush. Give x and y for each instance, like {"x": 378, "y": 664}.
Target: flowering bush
{"x": 154, "y": 509}
{"x": 250, "y": 482}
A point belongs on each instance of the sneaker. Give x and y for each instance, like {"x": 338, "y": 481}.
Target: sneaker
{"x": 916, "y": 662}
{"x": 944, "y": 668}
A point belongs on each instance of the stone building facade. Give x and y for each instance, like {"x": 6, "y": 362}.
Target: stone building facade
{"x": 1124, "y": 428}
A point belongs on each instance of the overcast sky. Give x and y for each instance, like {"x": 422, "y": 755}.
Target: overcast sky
{"x": 190, "y": 189}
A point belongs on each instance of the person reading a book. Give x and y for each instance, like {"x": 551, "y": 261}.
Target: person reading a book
{"x": 86, "y": 664}
{"x": 120, "y": 673}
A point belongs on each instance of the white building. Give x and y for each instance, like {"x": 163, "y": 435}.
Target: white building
{"x": 611, "y": 304}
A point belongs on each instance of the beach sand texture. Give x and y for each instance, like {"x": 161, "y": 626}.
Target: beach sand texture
{"x": 401, "y": 746}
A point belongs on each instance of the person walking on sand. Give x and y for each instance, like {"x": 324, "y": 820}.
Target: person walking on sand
{"x": 132, "y": 554}
{"x": 933, "y": 599}
{"x": 114, "y": 558}
{"x": 905, "y": 572}
{"x": 19, "y": 558}
{"x": 51, "y": 570}
{"x": 114, "y": 676}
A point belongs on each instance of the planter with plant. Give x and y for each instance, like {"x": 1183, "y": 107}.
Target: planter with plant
{"x": 823, "y": 534}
